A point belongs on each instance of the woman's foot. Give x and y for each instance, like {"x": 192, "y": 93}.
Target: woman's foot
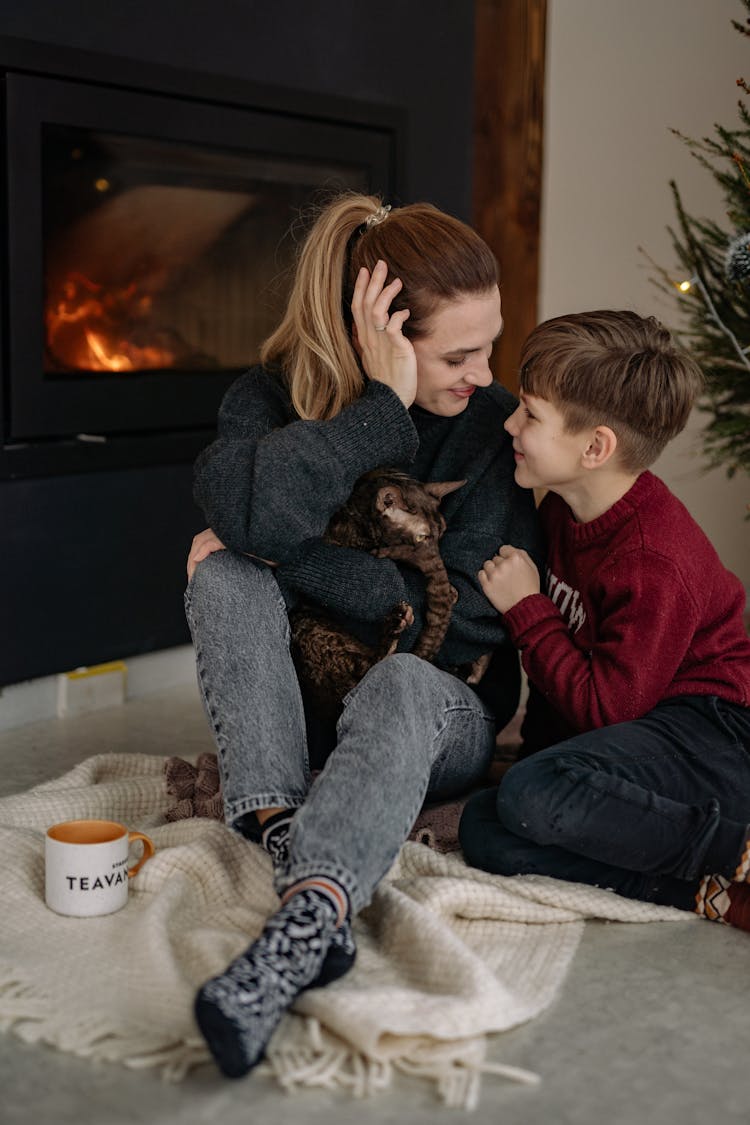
{"x": 341, "y": 955}
{"x": 239, "y": 1010}
{"x": 342, "y": 951}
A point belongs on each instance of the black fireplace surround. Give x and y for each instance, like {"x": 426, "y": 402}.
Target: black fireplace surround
{"x": 95, "y": 167}
{"x": 142, "y": 219}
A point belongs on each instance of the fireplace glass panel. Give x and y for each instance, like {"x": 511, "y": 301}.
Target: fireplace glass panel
{"x": 161, "y": 255}
{"x": 148, "y": 252}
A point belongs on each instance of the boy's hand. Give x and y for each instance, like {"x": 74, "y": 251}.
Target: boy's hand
{"x": 508, "y": 577}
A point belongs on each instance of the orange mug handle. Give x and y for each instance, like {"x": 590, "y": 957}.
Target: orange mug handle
{"x": 148, "y": 851}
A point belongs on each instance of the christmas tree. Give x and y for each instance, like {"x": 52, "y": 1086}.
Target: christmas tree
{"x": 715, "y": 289}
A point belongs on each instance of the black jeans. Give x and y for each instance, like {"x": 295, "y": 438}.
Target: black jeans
{"x": 645, "y": 808}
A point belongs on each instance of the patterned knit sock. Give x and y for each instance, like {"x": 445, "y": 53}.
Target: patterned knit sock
{"x": 239, "y": 1010}
{"x": 275, "y": 837}
{"x": 742, "y": 872}
{"x": 723, "y": 900}
{"x": 342, "y": 951}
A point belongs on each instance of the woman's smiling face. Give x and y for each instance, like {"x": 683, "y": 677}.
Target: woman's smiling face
{"x": 453, "y": 357}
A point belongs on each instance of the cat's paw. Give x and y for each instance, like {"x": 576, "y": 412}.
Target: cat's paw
{"x": 405, "y": 616}
{"x": 400, "y": 618}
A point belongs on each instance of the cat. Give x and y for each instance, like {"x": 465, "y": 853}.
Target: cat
{"x": 393, "y": 516}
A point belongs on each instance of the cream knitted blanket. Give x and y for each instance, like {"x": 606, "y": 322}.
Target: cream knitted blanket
{"x": 447, "y": 955}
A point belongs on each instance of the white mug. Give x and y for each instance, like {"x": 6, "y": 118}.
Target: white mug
{"x": 86, "y": 866}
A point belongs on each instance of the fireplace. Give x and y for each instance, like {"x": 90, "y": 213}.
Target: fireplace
{"x": 143, "y": 258}
{"x": 148, "y": 254}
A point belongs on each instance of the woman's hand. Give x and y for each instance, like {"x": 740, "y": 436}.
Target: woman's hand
{"x": 508, "y": 578}
{"x": 387, "y": 356}
{"x": 203, "y": 545}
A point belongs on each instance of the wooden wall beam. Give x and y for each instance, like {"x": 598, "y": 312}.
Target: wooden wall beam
{"x": 508, "y": 133}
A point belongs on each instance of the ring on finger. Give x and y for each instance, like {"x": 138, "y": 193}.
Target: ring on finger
{"x": 380, "y": 327}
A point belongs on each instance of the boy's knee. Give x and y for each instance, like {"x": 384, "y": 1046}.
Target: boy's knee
{"x": 538, "y": 797}
{"x": 484, "y": 840}
{"x": 527, "y": 796}
{"x": 478, "y": 820}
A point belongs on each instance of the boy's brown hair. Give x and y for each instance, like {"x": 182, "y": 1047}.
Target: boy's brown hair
{"x": 616, "y": 369}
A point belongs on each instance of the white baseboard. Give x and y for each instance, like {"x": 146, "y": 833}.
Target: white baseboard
{"x": 87, "y": 689}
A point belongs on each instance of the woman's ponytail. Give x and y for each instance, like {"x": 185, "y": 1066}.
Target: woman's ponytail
{"x": 313, "y": 342}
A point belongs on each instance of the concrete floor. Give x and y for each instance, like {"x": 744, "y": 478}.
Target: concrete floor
{"x": 652, "y": 1024}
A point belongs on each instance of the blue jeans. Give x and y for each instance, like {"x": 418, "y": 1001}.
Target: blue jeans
{"x": 645, "y": 808}
{"x": 408, "y": 732}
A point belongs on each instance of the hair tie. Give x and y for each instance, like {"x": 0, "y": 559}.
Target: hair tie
{"x": 378, "y": 216}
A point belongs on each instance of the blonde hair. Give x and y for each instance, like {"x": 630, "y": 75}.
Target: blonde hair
{"x": 616, "y": 369}
{"x": 436, "y": 257}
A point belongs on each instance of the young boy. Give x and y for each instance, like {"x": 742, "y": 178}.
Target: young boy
{"x": 636, "y": 653}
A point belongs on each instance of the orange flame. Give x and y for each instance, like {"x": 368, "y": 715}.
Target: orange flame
{"x": 91, "y": 328}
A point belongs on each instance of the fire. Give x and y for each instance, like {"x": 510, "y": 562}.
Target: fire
{"x": 92, "y": 328}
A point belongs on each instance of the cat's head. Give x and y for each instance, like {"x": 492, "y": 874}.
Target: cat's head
{"x": 409, "y": 511}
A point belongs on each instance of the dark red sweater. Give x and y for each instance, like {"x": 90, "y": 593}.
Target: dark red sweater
{"x": 638, "y": 609}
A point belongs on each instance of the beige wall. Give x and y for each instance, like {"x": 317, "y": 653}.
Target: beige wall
{"x": 618, "y": 76}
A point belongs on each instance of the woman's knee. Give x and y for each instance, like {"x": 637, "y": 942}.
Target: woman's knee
{"x": 222, "y": 577}
{"x": 391, "y": 714}
{"x": 386, "y": 698}
{"x": 229, "y": 597}
{"x": 400, "y": 675}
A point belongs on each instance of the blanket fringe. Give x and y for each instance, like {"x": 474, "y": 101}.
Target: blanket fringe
{"x": 458, "y": 1080}
{"x": 28, "y": 1015}
{"x": 319, "y": 1058}
{"x": 313, "y": 1057}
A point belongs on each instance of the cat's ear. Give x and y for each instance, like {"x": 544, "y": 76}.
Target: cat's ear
{"x": 389, "y": 497}
{"x": 441, "y": 488}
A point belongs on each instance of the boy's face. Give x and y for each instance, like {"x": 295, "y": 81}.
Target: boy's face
{"x": 547, "y": 456}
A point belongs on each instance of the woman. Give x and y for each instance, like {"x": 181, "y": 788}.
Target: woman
{"x": 373, "y": 364}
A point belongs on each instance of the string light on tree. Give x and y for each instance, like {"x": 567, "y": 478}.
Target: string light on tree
{"x": 696, "y": 283}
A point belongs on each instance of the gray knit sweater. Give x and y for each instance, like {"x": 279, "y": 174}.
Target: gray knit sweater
{"x": 270, "y": 482}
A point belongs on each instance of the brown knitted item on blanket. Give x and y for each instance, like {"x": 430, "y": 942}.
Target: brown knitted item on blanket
{"x": 437, "y": 825}
{"x": 197, "y": 792}
{"x": 197, "y": 788}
